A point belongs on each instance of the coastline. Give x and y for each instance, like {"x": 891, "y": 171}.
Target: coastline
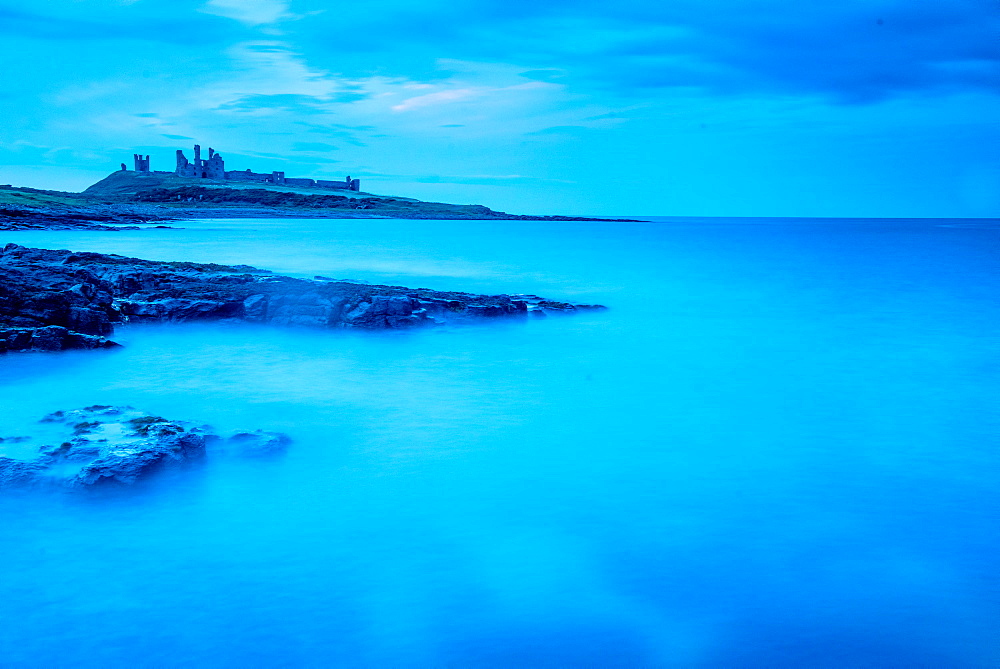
{"x": 124, "y": 201}
{"x": 58, "y": 300}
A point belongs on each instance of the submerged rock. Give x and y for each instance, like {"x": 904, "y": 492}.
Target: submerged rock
{"x": 107, "y": 445}
{"x": 257, "y": 444}
{"x": 19, "y": 473}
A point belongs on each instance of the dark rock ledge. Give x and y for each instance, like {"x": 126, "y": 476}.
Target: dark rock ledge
{"x": 55, "y": 300}
{"x": 117, "y": 446}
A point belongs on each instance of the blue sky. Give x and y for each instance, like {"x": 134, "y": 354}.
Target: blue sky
{"x": 672, "y": 107}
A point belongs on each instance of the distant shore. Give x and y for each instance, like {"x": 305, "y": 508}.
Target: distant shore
{"x": 130, "y": 201}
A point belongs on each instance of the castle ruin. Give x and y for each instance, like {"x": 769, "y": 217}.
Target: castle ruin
{"x": 214, "y": 168}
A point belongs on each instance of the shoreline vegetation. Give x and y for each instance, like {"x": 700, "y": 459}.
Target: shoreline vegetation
{"x": 128, "y": 200}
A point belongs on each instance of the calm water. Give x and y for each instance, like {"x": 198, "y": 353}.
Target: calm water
{"x": 778, "y": 448}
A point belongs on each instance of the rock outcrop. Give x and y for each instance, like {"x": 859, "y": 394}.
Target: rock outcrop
{"x": 106, "y": 445}
{"x": 54, "y": 300}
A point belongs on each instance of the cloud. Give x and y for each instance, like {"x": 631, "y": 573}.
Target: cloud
{"x": 266, "y": 69}
{"x": 572, "y": 130}
{"x": 250, "y": 12}
{"x": 313, "y": 147}
{"x": 300, "y": 104}
{"x": 544, "y": 75}
{"x": 434, "y": 99}
{"x": 852, "y": 51}
{"x": 119, "y": 24}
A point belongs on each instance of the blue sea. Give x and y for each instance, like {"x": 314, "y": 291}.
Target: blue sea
{"x": 777, "y": 448}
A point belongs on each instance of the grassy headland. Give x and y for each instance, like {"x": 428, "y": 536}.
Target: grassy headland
{"x": 127, "y": 198}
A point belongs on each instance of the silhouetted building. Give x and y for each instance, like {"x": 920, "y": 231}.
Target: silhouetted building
{"x": 213, "y": 167}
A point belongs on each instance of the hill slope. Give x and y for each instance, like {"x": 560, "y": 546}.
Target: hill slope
{"x": 123, "y": 184}
{"x": 127, "y": 198}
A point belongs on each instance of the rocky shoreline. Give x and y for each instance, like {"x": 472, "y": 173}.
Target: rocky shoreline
{"x": 106, "y": 218}
{"x": 59, "y": 300}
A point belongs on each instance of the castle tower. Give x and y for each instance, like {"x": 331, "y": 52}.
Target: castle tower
{"x": 141, "y": 164}
{"x": 214, "y": 167}
{"x": 182, "y": 163}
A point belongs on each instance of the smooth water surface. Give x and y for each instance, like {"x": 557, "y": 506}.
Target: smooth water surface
{"x": 778, "y": 448}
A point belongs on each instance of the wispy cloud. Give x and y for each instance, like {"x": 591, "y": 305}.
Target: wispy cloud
{"x": 250, "y": 12}
{"x": 572, "y": 130}
{"x": 857, "y": 51}
{"x": 434, "y": 99}
{"x": 313, "y": 147}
